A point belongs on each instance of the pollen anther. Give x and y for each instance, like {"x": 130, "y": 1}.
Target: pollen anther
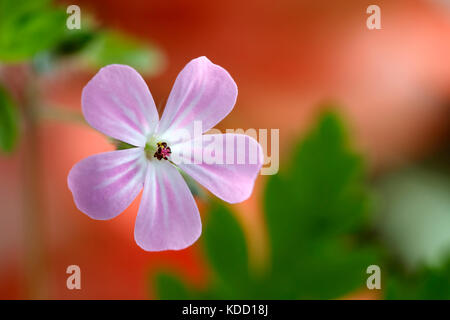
{"x": 163, "y": 151}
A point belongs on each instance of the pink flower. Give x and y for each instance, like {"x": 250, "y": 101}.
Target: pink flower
{"x": 118, "y": 103}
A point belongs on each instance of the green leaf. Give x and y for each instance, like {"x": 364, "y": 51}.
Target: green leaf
{"x": 328, "y": 270}
{"x": 226, "y": 249}
{"x": 75, "y": 41}
{"x": 313, "y": 212}
{"x": 8, "y": 122}
{"x": 170, "y": 287}
{"x": 116, "y": 48}
{"x": 430, "y": 283}
{"x": 28, "y": 27}
{"x": 323, "y": 194}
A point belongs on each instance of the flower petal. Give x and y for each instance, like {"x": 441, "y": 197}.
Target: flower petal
{"x": 104, "y": 185}
{"x": 168, "y": 217}
{"x": 228, "y": 164}
{"x": 118, "y": 103}
{"x": 202, "y": 91}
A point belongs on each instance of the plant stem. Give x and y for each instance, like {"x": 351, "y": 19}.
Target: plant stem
{"x": 35, "y": 260}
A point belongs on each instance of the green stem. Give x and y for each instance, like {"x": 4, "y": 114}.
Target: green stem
{"x": 35, "y": 259}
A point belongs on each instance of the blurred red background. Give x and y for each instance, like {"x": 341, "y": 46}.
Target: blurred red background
{"x": 287, "y": 57}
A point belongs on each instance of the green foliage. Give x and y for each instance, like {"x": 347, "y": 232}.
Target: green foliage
{"x": 429, "y": 283}
{"x": 37, "y": 30}
{"x": 115, "y": 48}
{"x": 8, "y": 122}
{"x": 225, "y": 246}
{"x": 75, "y": 41}
{"x": 170, "y": 287}
{"x": 317, "y": 207}
{"x": 314, "y": 211}
{"x": 28, "y": 27}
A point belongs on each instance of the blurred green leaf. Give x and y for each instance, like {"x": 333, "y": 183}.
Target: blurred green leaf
{"x": 170, "y": 287}
{"x": 430, "y": 283}
{"x": 115, "y": 48}
{"x": 226, "y": 249}
{"x": 76, "y": 40}
{"x": 72, "y": 43}
{"x": 327, "y": 271}
{"x": 28, "y": 27}
{"x": 317, "y": 206}
{"x": 323, "y": 191}
{"x": 8, "y": 122}
{"x": 32, "y": 27}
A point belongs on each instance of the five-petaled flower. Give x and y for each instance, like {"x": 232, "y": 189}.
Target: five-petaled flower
{"x": 117, "y": 102}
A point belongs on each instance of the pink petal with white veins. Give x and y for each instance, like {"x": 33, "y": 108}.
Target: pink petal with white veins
{"x": 118, "y": 103}
{"x": 203, "y": 92}
{"x": 104, "y": 185}
{"x": 168, "y": 217}
{"x": 230, "y": 172}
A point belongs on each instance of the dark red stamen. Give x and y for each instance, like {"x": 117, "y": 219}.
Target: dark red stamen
{"x": 163, "y": 151}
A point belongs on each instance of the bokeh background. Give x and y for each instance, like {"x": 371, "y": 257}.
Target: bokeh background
{"x": 292, "y": 60}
